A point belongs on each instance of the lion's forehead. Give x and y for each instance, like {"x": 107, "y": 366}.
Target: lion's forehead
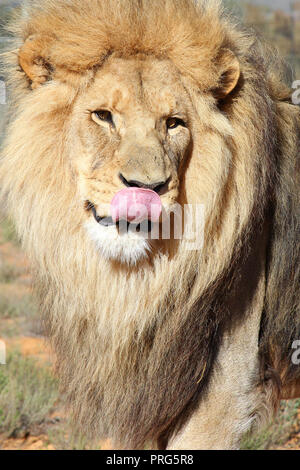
{"x": 137, "y": 84}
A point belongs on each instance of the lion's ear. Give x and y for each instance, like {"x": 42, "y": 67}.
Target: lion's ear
{"x": 230, "y": 72}
{"x": 34, "y": 60}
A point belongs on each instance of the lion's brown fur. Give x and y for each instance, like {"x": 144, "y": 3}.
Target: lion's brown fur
{"x": 135, "y": 366}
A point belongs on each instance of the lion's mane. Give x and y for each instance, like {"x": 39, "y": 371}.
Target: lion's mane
{"x": 135, "y": 348}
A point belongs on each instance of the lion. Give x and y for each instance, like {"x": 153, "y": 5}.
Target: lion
{"x": 160, "y": 104}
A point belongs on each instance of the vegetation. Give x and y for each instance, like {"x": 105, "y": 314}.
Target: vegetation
{"x": 8, "y": 273}
{"x": 278, "y": 432}
{"x": 23, "y": 307}
{"x": 8, "y": 233}
{"x": 27, "y": 393}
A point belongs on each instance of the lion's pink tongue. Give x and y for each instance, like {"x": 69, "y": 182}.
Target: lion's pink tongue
{"x": 136, "y": 204}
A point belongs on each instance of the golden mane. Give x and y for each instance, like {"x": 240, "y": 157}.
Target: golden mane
{"x": 136, "y": 347}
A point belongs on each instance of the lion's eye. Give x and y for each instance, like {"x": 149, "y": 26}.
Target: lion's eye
{"x": 173, "y": 122}
{"x": 103, "y": 115}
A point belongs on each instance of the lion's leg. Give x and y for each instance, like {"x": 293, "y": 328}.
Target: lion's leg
{"x": 234, "y": 401}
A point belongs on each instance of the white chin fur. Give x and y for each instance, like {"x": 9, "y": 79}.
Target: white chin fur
{"x": 127, "y": 248}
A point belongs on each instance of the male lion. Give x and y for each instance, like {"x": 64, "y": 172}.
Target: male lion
{"x": 162, "y": 104}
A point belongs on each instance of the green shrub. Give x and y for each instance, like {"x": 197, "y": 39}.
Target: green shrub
{"x": 27, "y": 393}
{"x": 278, "y": 432}
{"x": 8, "y": 233}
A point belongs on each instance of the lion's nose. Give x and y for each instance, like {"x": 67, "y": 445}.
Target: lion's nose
{"x": 157, "y": 187}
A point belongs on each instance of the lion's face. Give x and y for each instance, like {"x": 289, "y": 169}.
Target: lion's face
{"x": 133, "y": 111}
{"x": 131, "y": 129}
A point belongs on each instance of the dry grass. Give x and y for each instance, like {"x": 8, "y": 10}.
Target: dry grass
{"x": 27, "y": 394}
{"x": 8, "y": 233}
{"x": 8, "y": 273}
{"x": 12, "y": 308}
{"x": 278, "y": 432}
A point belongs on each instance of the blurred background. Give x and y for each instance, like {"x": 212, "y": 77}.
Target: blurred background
{"x": 277, "y": 20}
{"x": 32, "y": 415}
